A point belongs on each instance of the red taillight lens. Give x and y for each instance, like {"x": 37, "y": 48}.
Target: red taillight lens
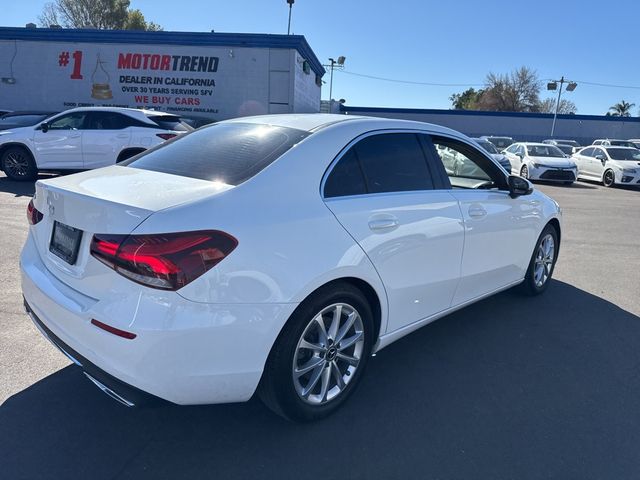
{"x": 166, "y": 136}
{"x": 167, "y": 261}
{"x": 33, "y": 215}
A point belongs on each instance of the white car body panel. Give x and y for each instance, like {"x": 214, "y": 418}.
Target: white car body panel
{"x": 440, "y": 256}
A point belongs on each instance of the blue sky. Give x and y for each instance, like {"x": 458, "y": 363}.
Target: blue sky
{"x": 452, "y": 41}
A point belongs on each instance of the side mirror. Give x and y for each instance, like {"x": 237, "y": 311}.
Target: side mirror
{"x": 44, "y": 126}
{"x": 519, "y": 186}
{"x": 602, "y": 158}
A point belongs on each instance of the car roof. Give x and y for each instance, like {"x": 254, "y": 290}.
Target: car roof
{"x": 120, "y": 110}
{"x": 312, "y": 122}
{"x": 28, "y": 112}
{"x": 534, "y": 144}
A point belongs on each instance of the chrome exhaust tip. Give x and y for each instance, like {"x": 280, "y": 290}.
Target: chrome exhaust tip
{"x": 108, "y": 391}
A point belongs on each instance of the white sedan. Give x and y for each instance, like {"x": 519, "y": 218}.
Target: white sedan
{"x": 275, "y": 254}
{"x": 541, "y": 161}
{"x": 84, "y": 138}
{"x": 609, "y": 165}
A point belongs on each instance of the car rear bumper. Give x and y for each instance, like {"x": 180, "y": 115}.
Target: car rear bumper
{"x": 184, "y": 352}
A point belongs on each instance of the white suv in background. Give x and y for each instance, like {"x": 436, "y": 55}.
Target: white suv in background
{"x": 84, "y": 138}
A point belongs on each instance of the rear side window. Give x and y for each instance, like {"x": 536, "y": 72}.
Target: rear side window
{"x": 392, "y": 162}
{"x": 346, "y": 177}
{"x": 230, "y": 153}
{"x": 169, "y": 122}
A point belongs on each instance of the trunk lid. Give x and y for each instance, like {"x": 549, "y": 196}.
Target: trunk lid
{"x": 112, "y": 200}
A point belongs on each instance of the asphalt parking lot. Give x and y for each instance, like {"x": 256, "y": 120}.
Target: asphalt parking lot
{"x": 511, "y": 387}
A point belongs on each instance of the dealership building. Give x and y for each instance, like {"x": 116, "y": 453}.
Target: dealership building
{"x": 213, "y": 75}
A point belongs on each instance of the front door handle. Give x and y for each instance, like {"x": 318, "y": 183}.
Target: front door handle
{"x": 477, "y": 211}
{"x": 383, "y": 224}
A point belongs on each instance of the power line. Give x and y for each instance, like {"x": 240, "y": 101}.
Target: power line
{"x": 432, "y": 84}
{"x": 409, "y": 82}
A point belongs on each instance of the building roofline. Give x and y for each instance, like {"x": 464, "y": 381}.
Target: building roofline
{"x": 479, "y": 113}
{"x": 248, "y": 40}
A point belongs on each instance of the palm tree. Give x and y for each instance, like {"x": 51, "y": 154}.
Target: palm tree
{"x": 622, "y": 109}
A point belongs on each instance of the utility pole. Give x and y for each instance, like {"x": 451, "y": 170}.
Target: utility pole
{"x": 290, "y": 2}
{"x": 552, "y": 85}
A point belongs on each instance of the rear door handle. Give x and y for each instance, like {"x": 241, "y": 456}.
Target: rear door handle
{"x": 383, "y": 224}
{"x": 476, "y": 211}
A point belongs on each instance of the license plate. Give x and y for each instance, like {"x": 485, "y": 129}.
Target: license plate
{"x": 65, "y": 242}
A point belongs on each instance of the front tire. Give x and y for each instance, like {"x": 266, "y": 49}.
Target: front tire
{"x": 18, "y": 164}
{"x": 320, "y": 355}
{"x": 609, "y": 178}
{"x": 542, "y": 263}
{"x": 524, "y": 172}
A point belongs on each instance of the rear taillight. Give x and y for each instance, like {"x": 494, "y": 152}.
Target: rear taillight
{"x": 166, "y": 136}
{"x": 33, "y": 215}
{"x": 167, "y": 261}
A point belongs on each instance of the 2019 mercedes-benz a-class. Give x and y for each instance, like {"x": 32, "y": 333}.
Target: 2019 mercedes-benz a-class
{"x": 274, "y": 254}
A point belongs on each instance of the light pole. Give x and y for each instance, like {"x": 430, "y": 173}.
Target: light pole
{"x": 332, "y": 65}
{"x": 290, "y": 2}
{"x": 552, "y": 85}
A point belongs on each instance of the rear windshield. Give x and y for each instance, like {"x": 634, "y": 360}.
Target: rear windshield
{"x": 568, "y": 149}
{"x": 488, "y": 146}
{"x": 231, "y": 153}
{"x": 170, "y": 122}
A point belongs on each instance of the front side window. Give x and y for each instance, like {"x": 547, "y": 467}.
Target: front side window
{"x": 466, "y": 166}
{"x": 70, "y": 121}
{"x": 512, "y": 148}
{"x": 598, "y": 152}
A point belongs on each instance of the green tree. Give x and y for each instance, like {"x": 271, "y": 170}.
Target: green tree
{"x": 621, "y": 109}
{"x": 466, "y": 100}
{"x": 101, "y": 14}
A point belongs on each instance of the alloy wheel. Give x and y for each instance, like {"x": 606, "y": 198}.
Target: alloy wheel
{"x": 524, "y": 172}
{"x": 328, "y": 354}
{"x": 16, "y": 164}
{"x": 609, "y": 178}
{"x": 543, "y": 263}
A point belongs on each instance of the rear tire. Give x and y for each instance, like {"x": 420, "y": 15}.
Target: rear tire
{"x": 542, "y": 263}
{"x": 18, "y": 164}
{"x": 310, "y": 374}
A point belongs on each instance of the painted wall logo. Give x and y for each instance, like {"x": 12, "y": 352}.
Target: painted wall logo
{"x": 176, "y": 63}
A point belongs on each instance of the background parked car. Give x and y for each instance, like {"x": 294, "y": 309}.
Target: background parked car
{"x": 635, "y": 141}
{"x": 493, "y": 151}
{"x": 540, "y": 161}
{"x": 614, "y": 142}
{"x": 500, "y": 142}
{"x": 575, "y": 146}
{"x": 609, "y": 164}
{"x": 84, "y": 138}
{"x": 23, "y": 119}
